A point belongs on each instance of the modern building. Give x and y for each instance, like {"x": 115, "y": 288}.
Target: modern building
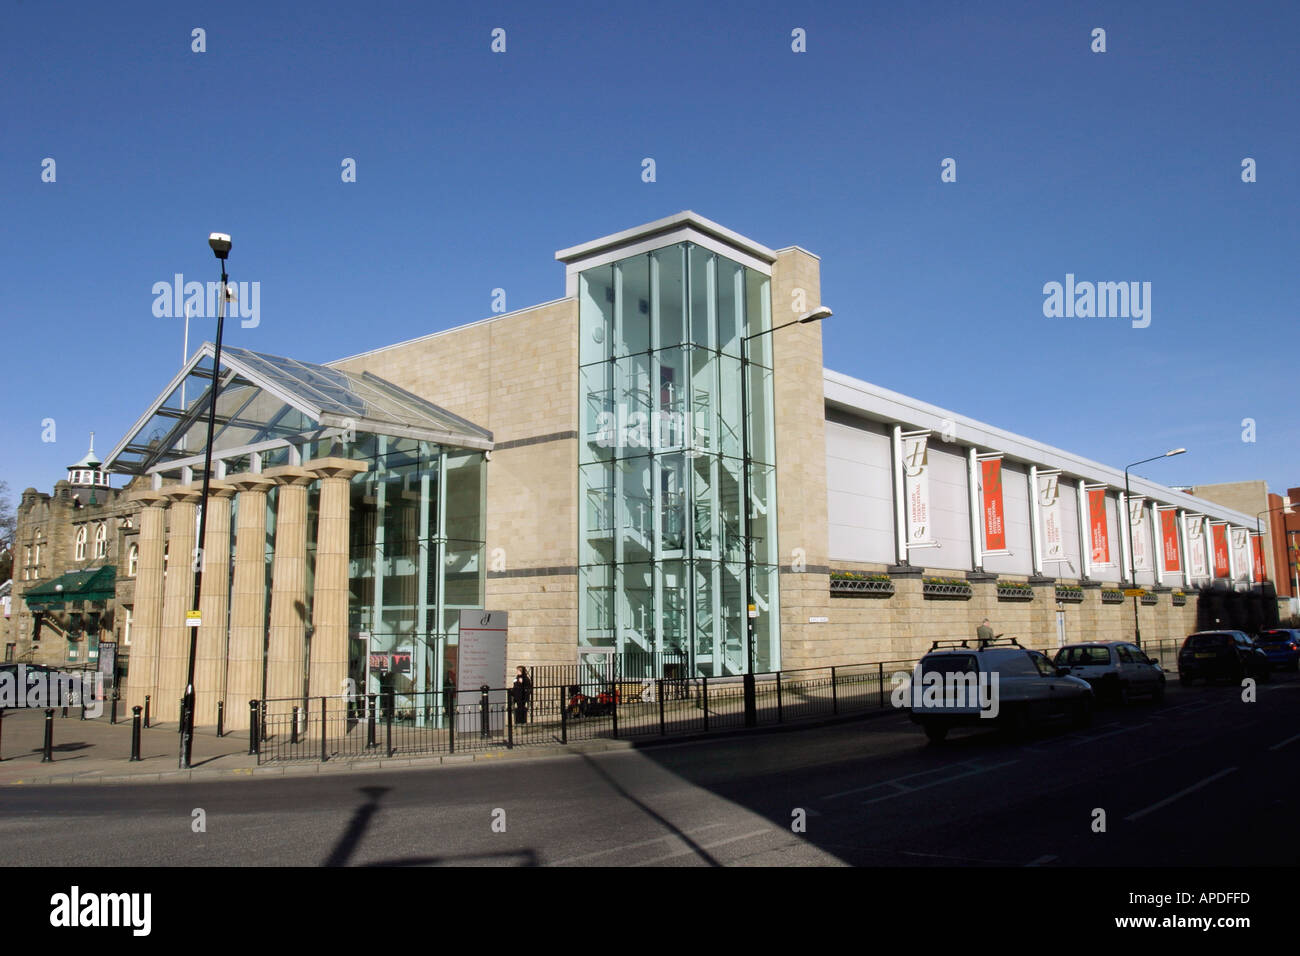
{"x": 656, "y": 466}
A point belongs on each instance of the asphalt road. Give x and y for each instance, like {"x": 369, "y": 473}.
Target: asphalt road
{"x": 1203, "y": 780}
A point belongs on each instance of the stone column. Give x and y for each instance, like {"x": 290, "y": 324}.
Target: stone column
{"x": 210, "y": 659}
{"x": 286, "y": 638}
{"x": 329, "y": 643}
{"x": 146, "y": 629}
{"x": 247, "y": 600}
{"x": 178, "y": 595}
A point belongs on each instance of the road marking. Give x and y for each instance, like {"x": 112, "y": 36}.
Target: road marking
{"x": 974, "y": 771}
{"x": 1181, "y": 793}
{"x": 1042, "y": 860}
{"x": 1289, "y": 740}
{"x": 1112, "y": 733}
{"x": 705, "y": 846}
{"x": 634, "y": 846}
{"x": 895, "y": 782}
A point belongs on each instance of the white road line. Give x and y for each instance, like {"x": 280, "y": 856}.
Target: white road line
{"x": 1289, "y": 740}
{"x": 635, "y": 846}
{"x": 926, "y": 786}
{"x": 1181, "y": 793}
{"x": 894, "y": 782}
{"x": 707, "y": 846}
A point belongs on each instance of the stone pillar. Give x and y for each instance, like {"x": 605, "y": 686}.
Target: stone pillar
{"x": 178, "y": 596}
{"x": 146, "y": 629}
{"x": 287, "y": 635}
{"x": 329, "y": 642}
{"x": 248, "y": 600}
{"x": 210, "y": 660}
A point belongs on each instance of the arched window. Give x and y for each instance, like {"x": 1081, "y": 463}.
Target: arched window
{"x": 132, "y": 560}
{"x": 101, "y": 541}
{"x": 81, "y": 544}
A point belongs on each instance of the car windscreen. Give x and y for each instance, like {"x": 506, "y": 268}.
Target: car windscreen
{"x": 1082, "y": 656}
{"x": 949, "y": 664}
{"x": 1274, "y": 637}
{"x": 1210, "y": 640}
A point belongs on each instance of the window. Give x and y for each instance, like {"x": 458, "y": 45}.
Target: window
{"x": 37, "y": 562}
{"x": 1126, "y": 656}
{"x": 132, "y": 560}
{"x": 101, "y": 541}
{"x": 126, "y": 626}
{"x": 81, "y": 544}
{"x": 29, "y": 555}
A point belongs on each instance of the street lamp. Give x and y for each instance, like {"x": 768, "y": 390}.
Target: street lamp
{"x": 220, "y": 243}
{"x": 816, "y": 315}
{"x": 1132, "y": 557}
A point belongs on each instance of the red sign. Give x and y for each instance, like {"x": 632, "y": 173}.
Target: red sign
{"x": 1219, "y": 535}
{"x": 1169, "y": 534}
{"x": 1259, "y": 559}
{"x": 1097, "y": 523}
{"x": 995, "y": 532}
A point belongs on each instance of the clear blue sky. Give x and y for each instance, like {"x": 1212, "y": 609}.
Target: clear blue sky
{"x": 474, "y": 167}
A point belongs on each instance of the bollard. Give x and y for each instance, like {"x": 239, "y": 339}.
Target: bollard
{"x": 705, "y": 694}
{"x": 221, "y": 718}
{"x": 564, "y": 718}
{"x": 370, "y": 720}
{"x": 510, "y": 723}
{"x": 835, "y": 694}
{"x": 252, "y": 727}
{"x": 112, "y": 714}
{"x": 262, "y": 728}
{"x": 751, "y": 702}
{"x": 613, "y": 707}
{"x": 659, "y": 692}
{"x": 388, "y": 722}
{"x": 293, "y": 731}
{"x": 135, "y": 732}
{"x": 880, "y": 682}
{"x": 324, "y": 731}
{"x": 780, "y": 716}
{"x": 47, "y": 752}
{"x": 184, "y": 712}
{"x": 83, "y": 704}
{"x": 484, "y": 714}
{"x": 146, "y": 711}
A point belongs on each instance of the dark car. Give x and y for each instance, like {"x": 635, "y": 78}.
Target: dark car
{"x": 1281, "y": 646}
{"x": 1221, "y": 655}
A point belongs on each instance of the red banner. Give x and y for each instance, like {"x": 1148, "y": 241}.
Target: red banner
{"x": 1219, "y": 537}
{"x": 1259, "y": 559}
{"x": 1169, "y": 534}
{"x": 995, "y": 532}
{"x": 1097, "y": 525}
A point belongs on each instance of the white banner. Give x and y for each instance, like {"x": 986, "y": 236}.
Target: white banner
{"x": 1141, "y": 540}
{"x": 1049, "y": 506}
{"x": 1241, "y": 552}
{"x": 1195, "y": 530}
{"x": 916, "y": 485}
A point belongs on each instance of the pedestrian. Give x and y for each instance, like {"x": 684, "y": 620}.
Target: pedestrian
{"x": 522, "y": 691}
{"x": 984, "y": 632}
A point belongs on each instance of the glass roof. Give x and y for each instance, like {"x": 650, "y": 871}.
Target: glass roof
{"x": 270, "y": 399}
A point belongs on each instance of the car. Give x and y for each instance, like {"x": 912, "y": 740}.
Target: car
{"x": 995, "y": 681}
{"x": 1221, "y": 655}
{"x": 1114, "y": 669}
{"x": 1281, "y": 645}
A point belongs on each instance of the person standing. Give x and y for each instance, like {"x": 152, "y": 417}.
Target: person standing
{"x": 984, "y": 632}
{"x": 522, "y": 691}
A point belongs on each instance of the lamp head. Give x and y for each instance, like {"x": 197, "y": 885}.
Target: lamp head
{"x": 1176, "y": 451}
{"x": 816, "y": 315}
{"x": 220, "y": 243}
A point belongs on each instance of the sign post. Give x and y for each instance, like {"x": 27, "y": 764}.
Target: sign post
{"x": 481, "y": 660}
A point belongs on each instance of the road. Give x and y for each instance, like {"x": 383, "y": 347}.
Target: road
{"x": 1202, "y": 780}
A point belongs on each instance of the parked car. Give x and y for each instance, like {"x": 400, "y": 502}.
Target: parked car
{"x": 1281, "y": 646}
{"x": 1115, "y": 670}
{"x": 1018, "y": 688}
{"x": 1221, "y": 655}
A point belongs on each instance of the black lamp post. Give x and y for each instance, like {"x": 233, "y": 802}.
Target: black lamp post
{"x": 1132, "y": 557}
{"x": 220, "y": 243}
{"x": 816, "y": 315}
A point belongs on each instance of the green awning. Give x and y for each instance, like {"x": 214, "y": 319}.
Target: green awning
{"x": 98, "y": 584}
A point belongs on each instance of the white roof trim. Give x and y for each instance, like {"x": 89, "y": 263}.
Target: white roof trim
{"x": 668, "y": 224}
{"x": 872, "y": 401}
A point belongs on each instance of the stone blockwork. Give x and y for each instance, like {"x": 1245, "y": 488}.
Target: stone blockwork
{"x": 517, "y": 376}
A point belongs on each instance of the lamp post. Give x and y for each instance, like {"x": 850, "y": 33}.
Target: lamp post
{"x": 220, "y": 243}
{"x": 816, "y": 315}
{"x": 1132, "y": 557}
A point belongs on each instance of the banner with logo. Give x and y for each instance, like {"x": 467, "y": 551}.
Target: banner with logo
{"x": 1169, "y": 539}
{"x": 1241, "y": 551}
{"x": 1098, "y": 533}
{"x": 1219, "y": 541}
{"x": 1049, "y": 506}
{"x": 1194, "y": 528}
{"x": 995, "y": 532}
{"x": 916, "y": 485}
{"x": 1259, "y": 557}
{"x": 1141, "y": 550}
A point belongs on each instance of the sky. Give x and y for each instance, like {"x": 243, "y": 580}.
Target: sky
{"x": 472, "y": 167}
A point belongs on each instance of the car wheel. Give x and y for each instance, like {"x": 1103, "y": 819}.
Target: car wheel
{"x": 1158, "y": 695}
{"x": 936, "y": 732}
{"x": 1082, "y": 714}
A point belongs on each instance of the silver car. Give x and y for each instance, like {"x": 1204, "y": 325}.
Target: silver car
{"x": 1116, "y": 670}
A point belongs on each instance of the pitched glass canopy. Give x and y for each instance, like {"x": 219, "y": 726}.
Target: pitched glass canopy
{"x": 268, "y": 401}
